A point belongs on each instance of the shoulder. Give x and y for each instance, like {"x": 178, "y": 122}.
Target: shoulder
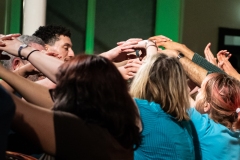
{"x": 88, "y": 140}
{"x": 146, "y": 105}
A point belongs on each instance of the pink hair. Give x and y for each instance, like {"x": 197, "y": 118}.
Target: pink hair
{"x": 223, "y": 93}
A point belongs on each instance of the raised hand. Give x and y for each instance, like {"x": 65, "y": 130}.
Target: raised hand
{"x": 8, "y": 37}
{"x": 129, "y": 40}
{"x": 116, "y": 53}
{"x": 159, "y": 39}
{"x": 209, "y": 55}
{"x": 129, "y": 70}
{"x": 223, "y": 55}
{"x": 11, "y": 46}
{"x": 2, "y": 43}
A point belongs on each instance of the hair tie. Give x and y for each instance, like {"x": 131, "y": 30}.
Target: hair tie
{"x": 238, "y": 110}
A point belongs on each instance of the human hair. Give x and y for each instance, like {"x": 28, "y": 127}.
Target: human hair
{"x": 222, "y": 93}
{"x": 26, "y": 39}
{"x": 162, "y": 79}
{"x": 92, "y": 88}
{"x": 51, "y": 33}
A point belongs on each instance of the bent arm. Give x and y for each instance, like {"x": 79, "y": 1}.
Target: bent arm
{"x": 36, "y": 123}
{"x": 32, "y": 92}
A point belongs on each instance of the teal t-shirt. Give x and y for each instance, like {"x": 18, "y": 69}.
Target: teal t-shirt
{"x": 163, "y": 137}
{"x": 217, "y": 142}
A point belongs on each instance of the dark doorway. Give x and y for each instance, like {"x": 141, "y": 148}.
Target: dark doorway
{"x": 229, "y": 39}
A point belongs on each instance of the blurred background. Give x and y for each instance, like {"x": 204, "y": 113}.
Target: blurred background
{"x": 97, "y": 25}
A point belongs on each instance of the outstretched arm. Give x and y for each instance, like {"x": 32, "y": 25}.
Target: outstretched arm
{"x": 46, "y": 64}
{"x": 36, "y": 123}
{"x": 188, "y": 53}
{"x": 32, "y": 92}
{"x": 116, "y": 53}
{"x": 193, "y": 71}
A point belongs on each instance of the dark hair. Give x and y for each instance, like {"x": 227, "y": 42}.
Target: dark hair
{"x": 92, "y": 88}
{"x": 50, "y": 33}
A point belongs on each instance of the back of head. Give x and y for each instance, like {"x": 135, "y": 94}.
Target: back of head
{"x": 92, "y": 88}
{"x": 162, "y": 79}
{"x": 222, "y": 93}
{"x": 26, "y": 39}
{"x": 50, "y": 33}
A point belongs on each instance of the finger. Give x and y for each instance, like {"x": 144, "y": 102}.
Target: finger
{"x": 10, "y": 36}
{"x": 128, "y": 44}
{"x": 134, "y": 65}
{"x": 134, "y": 39}
{"x": 159, "y": 37}
{"x": 120, "y": 43}
{"x": 2, "y": 43}
{"x": 127, "y": 50}
{"x": 135, "y": 61}
{"x": 131, "y": 74}
{"x": 127, "y": 77}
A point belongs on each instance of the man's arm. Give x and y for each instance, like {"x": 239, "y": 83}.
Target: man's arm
{"x": 193, "y": 71}
{"x": 187, "y": 53}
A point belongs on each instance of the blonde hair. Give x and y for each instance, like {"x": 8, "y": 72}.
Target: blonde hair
{"x": 162, "y": 79}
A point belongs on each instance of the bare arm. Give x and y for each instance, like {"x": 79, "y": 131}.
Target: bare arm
{"x": 193, "y": 71}
{"x": 32, "y": 92}
{"x": 46, "y": 64}
{"x": 35, "y": 122}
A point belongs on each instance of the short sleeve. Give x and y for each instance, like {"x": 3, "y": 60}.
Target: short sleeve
{"x": 200, "y": 121}
{"x": 76, "y": 139}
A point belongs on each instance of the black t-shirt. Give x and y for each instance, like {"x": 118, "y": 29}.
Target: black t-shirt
{"x": 77, "y": 140}
{"x": 7, "y": 110}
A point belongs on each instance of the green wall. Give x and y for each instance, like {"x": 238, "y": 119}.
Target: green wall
{"x": 10, "y": 16}
{"x": 108, "y": 21}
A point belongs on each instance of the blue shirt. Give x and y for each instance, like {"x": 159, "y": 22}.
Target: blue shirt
{"x": 163, "y": 136}
{"x": 216, "y": 141}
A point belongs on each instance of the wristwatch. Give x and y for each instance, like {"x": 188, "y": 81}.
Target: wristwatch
{"x": 20, "y": 49}
{"x": 180, "y": 55}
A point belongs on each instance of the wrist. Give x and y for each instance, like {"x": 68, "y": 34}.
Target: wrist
{"x": 25, "y": 51}
{"x": 151, "y": 44}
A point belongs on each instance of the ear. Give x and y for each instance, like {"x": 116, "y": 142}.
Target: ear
{"x": 46, "y": 47}
{"x": 17, "y": 63}
{"x": 206, "y": 107}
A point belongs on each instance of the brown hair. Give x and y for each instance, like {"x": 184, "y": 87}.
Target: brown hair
{"x": 92, "y": 88}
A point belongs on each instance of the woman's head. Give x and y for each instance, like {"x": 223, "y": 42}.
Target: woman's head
{"x": 162, "y": 79}
{"x": 92, "y": 88}
{"x": 219, "y": 97}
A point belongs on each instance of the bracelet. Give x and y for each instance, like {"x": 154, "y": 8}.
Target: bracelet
{"x": 31, "y": 53}
{"x": 20, "y": 49}
{"x": 180, "y": 55}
